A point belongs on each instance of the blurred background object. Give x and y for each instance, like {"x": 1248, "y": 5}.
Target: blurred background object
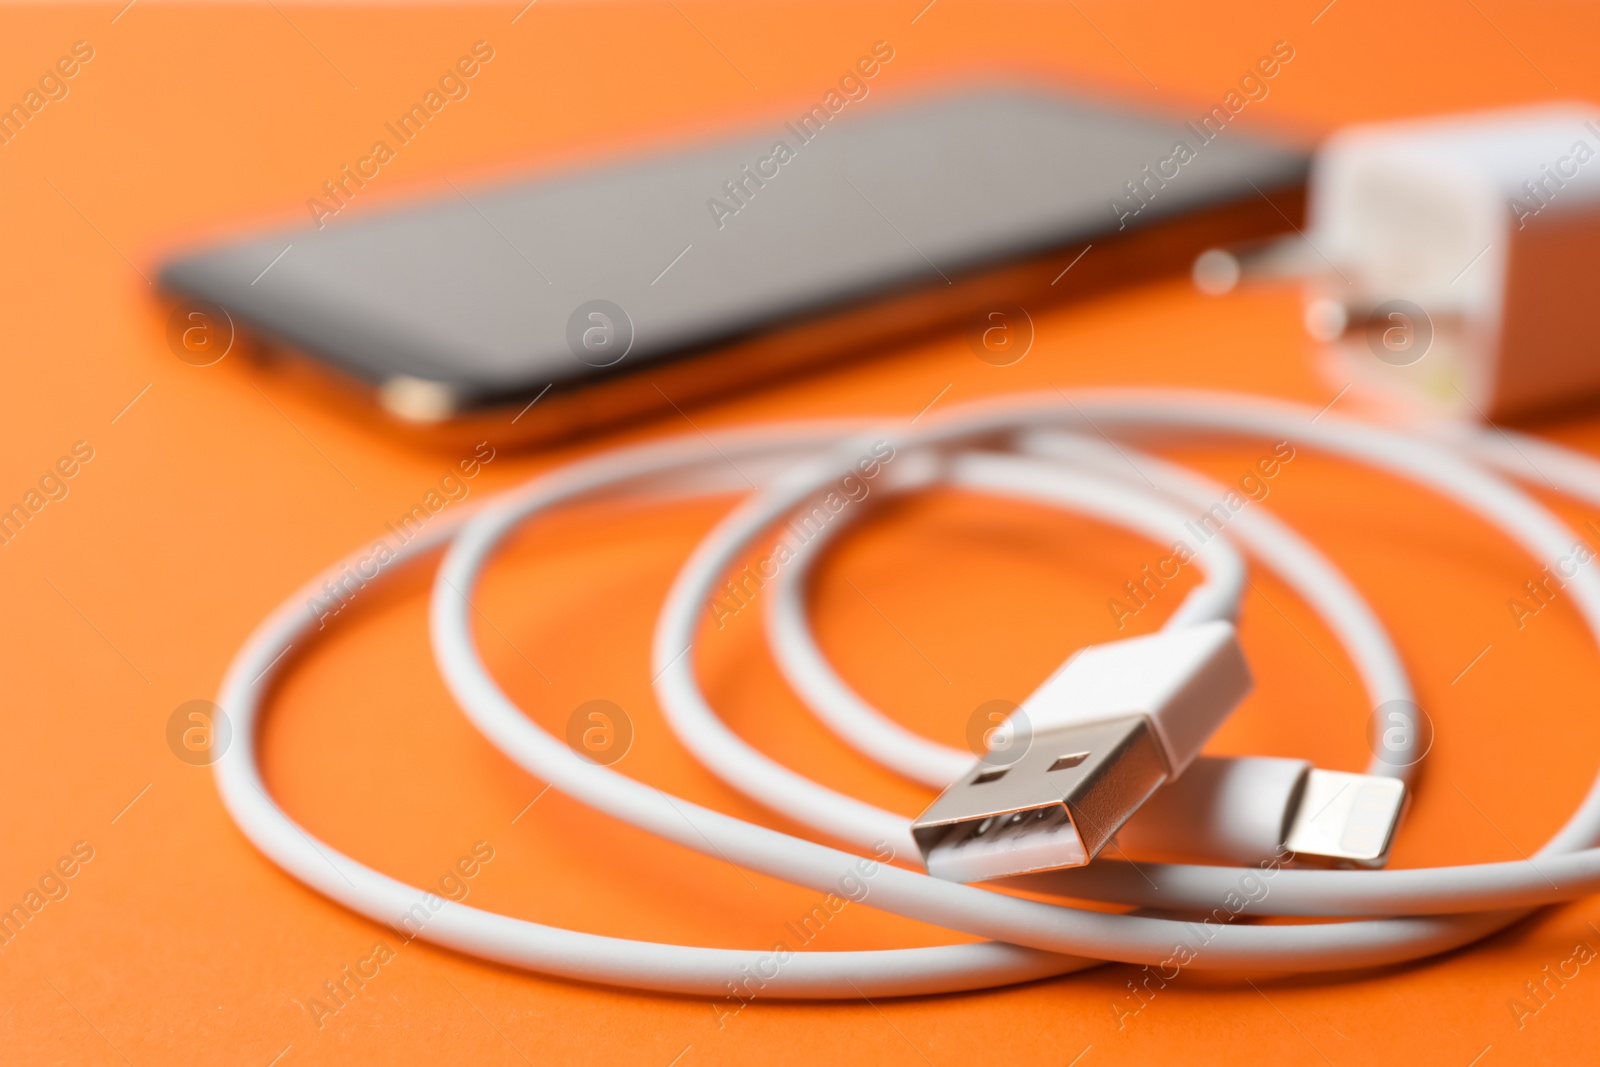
{"x": 603, "y": 291}
{"x": 1450, "y": 262}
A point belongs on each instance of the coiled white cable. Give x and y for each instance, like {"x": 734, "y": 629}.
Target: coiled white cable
{"x": 1300, "y": 565}
{"x": 1449, "y": 906}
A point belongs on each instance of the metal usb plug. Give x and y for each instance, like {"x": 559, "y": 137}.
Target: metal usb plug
{"x": 1345, "y": 820}
{"x": 1054, "y": 807}
{"x": 1092, "y": 744}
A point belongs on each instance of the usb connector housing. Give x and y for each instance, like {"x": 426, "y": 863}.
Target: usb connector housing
{"x": 1098, "y": 738}
{"x": 1054, "y": 807}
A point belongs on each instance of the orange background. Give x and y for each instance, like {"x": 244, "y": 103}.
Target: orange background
{"x": 218, "y": 492}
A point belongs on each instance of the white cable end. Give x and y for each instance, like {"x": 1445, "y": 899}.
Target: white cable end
{"x": 1346, "y": 820}
{"x": 1083, "y": 753}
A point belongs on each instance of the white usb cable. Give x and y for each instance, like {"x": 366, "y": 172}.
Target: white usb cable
{"x": 1238, "y": 819}
{"x": 1448, "y": 906}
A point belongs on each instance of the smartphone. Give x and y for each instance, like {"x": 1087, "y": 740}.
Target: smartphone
{"x": 571, "y": 301}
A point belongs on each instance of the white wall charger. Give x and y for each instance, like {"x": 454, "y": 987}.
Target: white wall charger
{"x": 1449, "y": 262}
